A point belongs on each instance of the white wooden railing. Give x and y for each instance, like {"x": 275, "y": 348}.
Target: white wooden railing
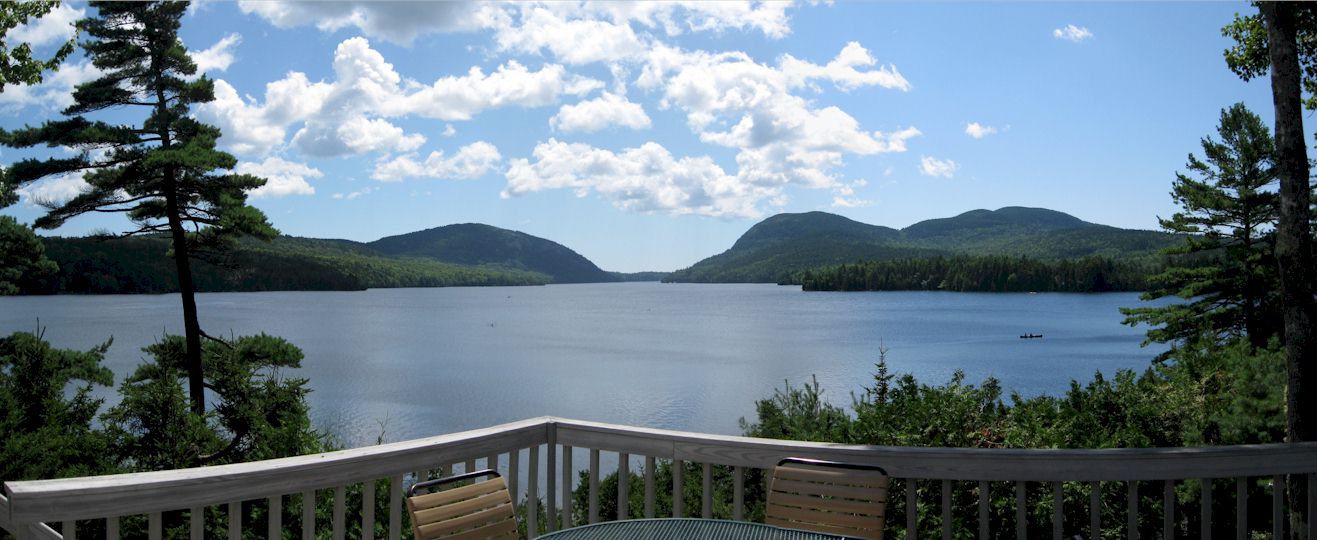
{"x": 536, "y": 456}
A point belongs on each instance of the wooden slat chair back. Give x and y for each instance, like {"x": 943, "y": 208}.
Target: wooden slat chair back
{"x": 476, "y": 511}
{"x": 845, "y": 499}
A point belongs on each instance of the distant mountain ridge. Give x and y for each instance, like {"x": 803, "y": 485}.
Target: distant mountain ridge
{"x": 780, "y": 245}
{"x": 475, "y": 244}
{"x": 454, "y": 255}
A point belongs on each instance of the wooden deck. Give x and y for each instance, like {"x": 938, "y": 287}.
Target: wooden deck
{"x": 536, "y": 456}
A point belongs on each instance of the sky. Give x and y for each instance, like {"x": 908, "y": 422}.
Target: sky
{"x": 648, "y": 136}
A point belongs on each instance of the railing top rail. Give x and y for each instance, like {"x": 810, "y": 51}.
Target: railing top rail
{"x": 91, "y": 497}
{"x": 120, "y": 494}
{"x": 993, "y": 464}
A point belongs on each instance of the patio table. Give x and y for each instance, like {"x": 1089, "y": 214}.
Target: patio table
{"x": 684, "y": 529}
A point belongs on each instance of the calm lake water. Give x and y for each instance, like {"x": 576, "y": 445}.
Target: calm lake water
{"x": 407, "y": 363}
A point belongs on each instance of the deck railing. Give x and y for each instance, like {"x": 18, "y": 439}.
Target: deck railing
{"x": 537, "y": 458}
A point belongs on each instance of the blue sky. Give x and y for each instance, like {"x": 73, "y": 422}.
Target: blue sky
{"x": 649, "y": 136}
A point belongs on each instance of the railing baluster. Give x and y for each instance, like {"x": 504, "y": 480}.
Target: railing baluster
{"x": 70, "y": 530}
{"x": 738, "y": 493}
{"x": 340, "y": 512}
{"x": 623, "y": 485}
{"x": 235, "y": 520}
{"x": 491, "y": 462}
{"x": 1241, "y": 508}
{"x": 1058, "y": 519}
{"x": 1168, "y": 510}
{"x": 1206, "y": 529}
{"x": 911, "y": 509}
{"x": 594, "y": 486}
{"x": 678, "y": 490}
{"x": 309, "y": 515}
{"x": 1021, "y": 512}
{"x": 1132, "y": 510}
{"x": 514, "y": 478}
{"x": 197, "y": 523}
{"x": 469, "y": 466}
{"x": 649, "y": 487}
{"x": 984, "y": 487}
{"x": 154, "y": 526}
{"x": 1277, "y": 506}
{"x": 706, "y": 509}
{"x": 274, "y": 517}
{"x": 533, "y": 493}
{"x": 568, "y": 478}
{"x": 395, "y": 507}
{"x": 1095, "y": 510}
{"x": 946, "y": 509}
{"x": 112, "y": 528}
{"x": 550, "y": 474}
{"x": 367, "y": 510}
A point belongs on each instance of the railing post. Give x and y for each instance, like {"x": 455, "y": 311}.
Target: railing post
{"x": 550, "y": 471}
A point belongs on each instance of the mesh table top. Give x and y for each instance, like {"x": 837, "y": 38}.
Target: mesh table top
{"x": 683, "y": 529}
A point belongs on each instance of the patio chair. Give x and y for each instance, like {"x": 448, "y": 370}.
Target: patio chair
{"x": 480, "y": 510}
{"x": 847, "y": 499}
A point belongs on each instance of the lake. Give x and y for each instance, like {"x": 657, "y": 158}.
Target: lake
{"x": 406, "y": 363}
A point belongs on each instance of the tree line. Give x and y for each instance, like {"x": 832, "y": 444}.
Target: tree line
{"x": 967, "y": 273}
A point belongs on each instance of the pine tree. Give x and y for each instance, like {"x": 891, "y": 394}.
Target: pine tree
{"x": 1228, "y": 212}
{"x": 163, "y": 172}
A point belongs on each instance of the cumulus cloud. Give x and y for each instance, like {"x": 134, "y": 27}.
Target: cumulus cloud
{"x": 219, "y": 56}
{"x": 53, "y": 190}
{"x": 842, "y": 70}
{"x": 600, "y": 113}
{"x": 733, "y": 101}
{"x": 398, "y": 22}
{"x": 929, "y": 166}
{"x": 54, "y": 92}
{"x": 282, "y": 178}
{"x": 1072, "y": 33}
{"x": 349, "y": 115}
{"x": 53, "y": 28}
{"x": 643, "y": 179}
{"x": 979, "y": 131}
{"x": 584, "y": 30}
{"x": 470, "y": 161}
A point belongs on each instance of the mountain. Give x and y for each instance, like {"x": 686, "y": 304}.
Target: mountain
{"x": 474, "y": 244}
{"x": 784, "y": 244}
{"x": 456, "y": 255}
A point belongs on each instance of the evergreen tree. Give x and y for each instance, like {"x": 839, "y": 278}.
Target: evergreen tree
{"x": 164, "y": 172}
{"x": 1228, "y": 213}
{"x": 23, "y": 263}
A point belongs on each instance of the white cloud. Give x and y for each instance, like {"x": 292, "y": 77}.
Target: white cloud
{"x": 842, "y": 70}
{"x": 583, "y": 31}
{"x": 733, "y": 101}
{"x": 55, "y": 27}
{"x": 600, "y": 113}
{"x": 979, "y": 131}
{"x": 512, "y": 84}
{"x": 644, "y": 179}
{"x": 844, "y": 195}
{"x": 219, "y": 56}
{"x": 571, "y": 40}
{"x": 282, "y": 178}
{"x": 355, "y": 194}
{"x": 348, "y": 116}
{"x": 937, "y": 167}
{"x": 53, "y": 190}
{"x": 849, "y": 202}
{"x": 54, "y": 92}
{"x": 470, "y": 161}
{"x": 398, "y": 22}
{"x": 1072, "y": 33}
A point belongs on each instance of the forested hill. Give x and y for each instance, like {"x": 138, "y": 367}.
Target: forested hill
{"x": 781, "y": 246}
{"x": 457, "y": 255}
{"x": 474, "y": 244}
